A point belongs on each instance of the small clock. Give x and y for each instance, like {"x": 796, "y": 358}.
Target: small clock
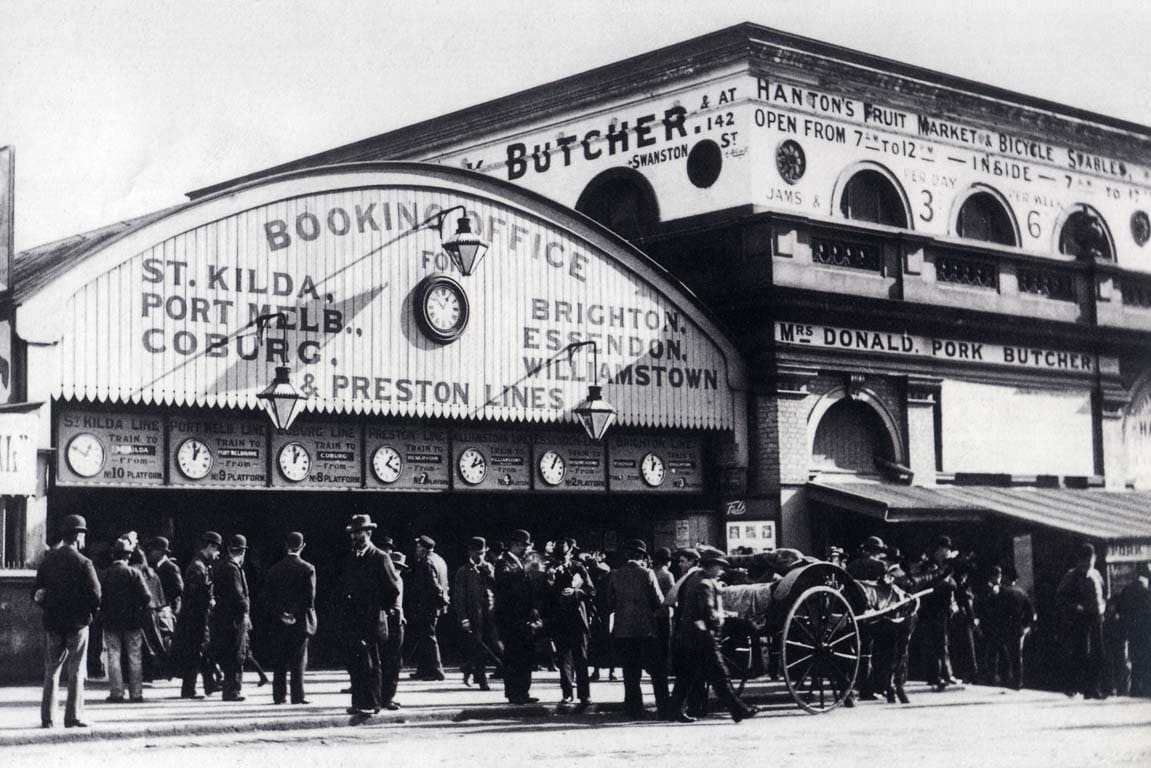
{"x": 86, "y": 454}
{"x": 552, "y": 468}
{"x": 651, "y": 469}
{"x": 473, "y": 466}
{"x": 294, "y": 462}
{"x": 193, "y": 459}
{"x": 386, "y": 464}
{"x": 441, "y": 308}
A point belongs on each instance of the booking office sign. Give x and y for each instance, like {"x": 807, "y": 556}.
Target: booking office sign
{"x": 340, "y": 275}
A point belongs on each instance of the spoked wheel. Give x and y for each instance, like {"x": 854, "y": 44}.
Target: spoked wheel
{"x": 820, "y": 649}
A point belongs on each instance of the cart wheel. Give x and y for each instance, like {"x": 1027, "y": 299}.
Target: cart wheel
{"x": 820, "y": 649}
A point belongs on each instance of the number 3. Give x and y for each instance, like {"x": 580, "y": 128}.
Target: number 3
{"x": 928, "y": 213}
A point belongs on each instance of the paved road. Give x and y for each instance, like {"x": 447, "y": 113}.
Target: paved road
{"x": 978, "y": 727}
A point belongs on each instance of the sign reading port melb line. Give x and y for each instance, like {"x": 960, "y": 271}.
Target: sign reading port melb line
{"x": 1020, "y": 357}
{"x": 327, "y": 272}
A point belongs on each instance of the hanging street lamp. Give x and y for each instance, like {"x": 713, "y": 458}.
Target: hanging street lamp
{"x": 595, "y": 414}
{"x": 282, "y": 400}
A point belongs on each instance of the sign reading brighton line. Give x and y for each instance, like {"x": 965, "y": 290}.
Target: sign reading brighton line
{"x": 329, "y": 285}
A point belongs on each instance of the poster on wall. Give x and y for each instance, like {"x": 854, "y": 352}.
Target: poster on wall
{"x": 655, "y": 464}
{"x": 318, "y": 455}
{"x": 406, "y": 458}
{"x": 490, "y": 460}
{"x": 568, "y": 461}
{"x": 750, "y": 536}
{"x": 108, "y": 448}
{"x": 215, "y": 452}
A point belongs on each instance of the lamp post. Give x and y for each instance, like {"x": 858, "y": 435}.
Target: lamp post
{"x": 281, "y": 399}
{"x": 595, "y": 414}
{"x": 465, "y": 247}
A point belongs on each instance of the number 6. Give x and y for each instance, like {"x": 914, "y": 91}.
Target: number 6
{"x": 1033, "y": 227}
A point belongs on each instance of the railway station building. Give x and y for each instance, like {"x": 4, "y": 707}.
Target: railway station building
{"x": 830, "y": 295}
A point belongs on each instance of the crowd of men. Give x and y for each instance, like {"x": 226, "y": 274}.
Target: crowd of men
{"x": 515, "y": 609}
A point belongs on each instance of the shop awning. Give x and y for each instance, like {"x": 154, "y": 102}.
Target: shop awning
{"x": 1100, "y": 515}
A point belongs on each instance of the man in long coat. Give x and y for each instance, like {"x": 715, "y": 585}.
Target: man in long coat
{"x": 231, "y": 620}
{"x": 190, "y": 642}
{"x": 569, "y": 597}
{"x": 517, "y": 616}
{"x": 371, "y": 588}
{"x": 635, "y": 598}
{"x": 472, "y": 601}
{"x": 290, "y": 602}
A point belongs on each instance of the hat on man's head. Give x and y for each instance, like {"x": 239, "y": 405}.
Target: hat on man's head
{"x": 386, "y": 543}
{"x": 238, "y": 543}
{"x": 873, "y": 544}
{"x": 661, "y": 556}
{"x": 360, "y": 523}
{"x": 690, "y": 553}
{"x": 400, "y": 560}
{"x": 427, "y": 542}
{"x": 74, "y": 524}
{"x": 635, "y": 545}
{"x": 477, "y": 544}
{"x": 122, "y": 546}
{"x": 160, "y": 543}
{"x": 712, "y": 556}
{"x": 211, "y": 537}
{"x": 294, "y": 540}
{"x": 942, "y": 542}
{"x": 520, "y": 536}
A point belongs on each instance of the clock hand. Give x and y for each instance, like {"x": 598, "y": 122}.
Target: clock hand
{"x": 84, "y": 452}
{"x": 477, "y": 461}
{"x": 555, "y": 461}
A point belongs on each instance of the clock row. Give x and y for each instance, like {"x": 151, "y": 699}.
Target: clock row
{"x": 400, "y": 458}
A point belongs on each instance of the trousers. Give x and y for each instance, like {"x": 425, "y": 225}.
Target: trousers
{"x": 425, "y": 645}
{"x": 698, "y": 661}
{"x": 636, "y": 655}
{"x": 130, "y": 643}
{"x": 571, "y": 655}
{"x": 68, "y": 651}
{"x": 291, "y": 659}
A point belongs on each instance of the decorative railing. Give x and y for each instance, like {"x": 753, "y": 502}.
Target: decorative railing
{"x": 1046, "y": 283}
{"x": 963, "y": 271}
{"x": 836, "y": 253}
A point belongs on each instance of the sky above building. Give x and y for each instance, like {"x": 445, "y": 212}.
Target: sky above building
{"x": 118, "y": 108}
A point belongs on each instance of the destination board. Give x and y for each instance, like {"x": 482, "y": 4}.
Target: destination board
{"x": 406, "y": 458}
{"x": 107, "y": 448}
{"x": 217, "y": 452}
{"x": 568, "y": 461}
{"x": 319, "y": 455}
{"x": 654, "y": 464}
{"x": 488, "y": 460}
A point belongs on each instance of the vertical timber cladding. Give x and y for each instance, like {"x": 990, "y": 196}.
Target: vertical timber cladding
{"x": 326, "y": 284}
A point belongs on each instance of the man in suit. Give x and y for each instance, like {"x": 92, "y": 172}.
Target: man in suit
{"x": 473, "y": 598}
{"x": 517, "y": 616}
{"x": 698, "y": 625}
{"x": 68, "y": 591}
{"x": 392, "y": 651}
{"x": 569, "y": 600}
{"x": 1082, "y": 602}
{"x": 126, "y": 601}
{"x": 635, "y": 598}
{"x": 231, "y": 621}
{"x": 371, "y": 589}
{"x": 290, "y": 601}
{"x": 427, "y": 601}
{"x": 159, "y": 555}
{"x": 190, "y": 643}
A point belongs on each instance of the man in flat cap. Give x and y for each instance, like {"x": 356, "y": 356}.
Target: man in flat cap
{"x": 124, "y": 609}
{"x": 517, "y": 616}
{"x": 68, "y": 591}
{"x": 289, "y": 598}
{"x": 370, "y": 610}
{"x": 473, "y": 598}
{"x": 427, "y": 601}
{"x": 699, "y": 659}
{"x": 231, "y": 620}
{"x": 190, "y": 643}
{"x": 634, "y": 596}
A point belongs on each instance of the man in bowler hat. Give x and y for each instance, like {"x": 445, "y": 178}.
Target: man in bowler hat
{"x": 190, "y": 643}
{"x": 68, "y": 592}
{"x": 517, "y": 616}
{"x": 371, "y": 589}
{"x": 473, "y": 597}
{"x": 289, "y": 598}
{"x": 231, "y": 619}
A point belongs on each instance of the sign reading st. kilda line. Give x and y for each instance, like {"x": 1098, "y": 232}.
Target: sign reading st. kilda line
{"x": 330, "y": 285}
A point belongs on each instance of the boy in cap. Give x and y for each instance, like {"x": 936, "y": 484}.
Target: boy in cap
{"x": 190, "y": 643}
{"x": 428, "y": 600}
{"x": 125, "y": 604}
{"x": 230, "y": 621}
{"x": 289, "y": 597}
{"x": 472, "y": 599}
{"x": 68, "y": 592}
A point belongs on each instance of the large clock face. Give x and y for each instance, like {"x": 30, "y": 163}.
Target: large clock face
{"x": 473, "y": 466}
{"x": 441, "y": 308}
{"x": 652, "y": 470}
{"x": 552, "y": 468}
{"x": 193, "y": 459}
{"x": 294, "y": 462}
{"x": 86, "y": 455}
{"x": 386, "y": 464}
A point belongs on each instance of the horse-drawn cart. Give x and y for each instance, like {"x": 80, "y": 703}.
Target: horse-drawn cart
{"x": 810, "y": 614}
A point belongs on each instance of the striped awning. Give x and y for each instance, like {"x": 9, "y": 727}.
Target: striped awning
{"x": 1100, "y": 515}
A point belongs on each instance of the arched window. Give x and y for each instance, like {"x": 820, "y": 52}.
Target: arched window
{"x": 621, "y": 200}
{"x": 848, "y": 438}
{"x": 983, "y": 217}
{"x": 1084, "y": 236}
{"x": 871, "y": 196}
